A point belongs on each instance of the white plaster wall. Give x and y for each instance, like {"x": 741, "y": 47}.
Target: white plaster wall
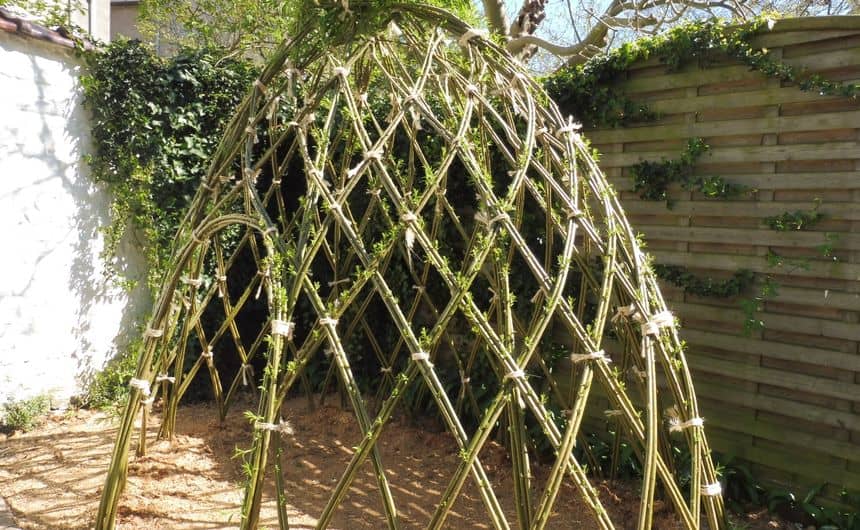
{"x": 60, "y": 318}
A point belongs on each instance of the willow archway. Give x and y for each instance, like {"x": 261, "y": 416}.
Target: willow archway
{"x": 416, "y": 152}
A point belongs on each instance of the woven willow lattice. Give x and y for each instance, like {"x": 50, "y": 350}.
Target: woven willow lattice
{"x": 424, "y": 158}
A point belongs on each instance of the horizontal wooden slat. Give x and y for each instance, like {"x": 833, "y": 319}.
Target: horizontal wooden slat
{"x": 797, "y": 381}
{"x": 758, "y": 98}
{"x": 795, "y": 324}
{"x": 770, "y": 125}
{"x": 823, "y": 61}
{"x": 845, "y": 181}
{"x": 805, "y": 411}
{"x": 686, "y": 77}
{"x": 719, "y": 208}
{"x": 729, "y": 419}
{"x": 817, "y": 269}
{"x": 762, "y": 236}
{"x": 775, "y": 40}
{"x": 774, "y": 153}
{"x": 823, "y": 23}
{"x": 819, "y": 297}
{"x": 801, "y": 463}
{"x": 789, "y": 352}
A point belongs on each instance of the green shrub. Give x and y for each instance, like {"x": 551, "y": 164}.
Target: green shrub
{"x": 25, "y": 415}
{"x": 109, "y": 388}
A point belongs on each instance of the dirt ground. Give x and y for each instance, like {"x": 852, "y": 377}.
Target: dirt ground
{"x": 52, "y": 477}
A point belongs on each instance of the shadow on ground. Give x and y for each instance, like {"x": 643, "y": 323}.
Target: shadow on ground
{"x": 52, "y": 477}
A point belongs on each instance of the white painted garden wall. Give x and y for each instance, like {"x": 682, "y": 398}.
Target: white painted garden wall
{"x": 60, "y": 318}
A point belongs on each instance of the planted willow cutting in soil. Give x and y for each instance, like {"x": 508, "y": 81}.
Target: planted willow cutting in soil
{"x": 393, "y": 171}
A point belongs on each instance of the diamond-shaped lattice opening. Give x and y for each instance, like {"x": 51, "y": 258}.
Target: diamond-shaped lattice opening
{"x": 417, "y": 227}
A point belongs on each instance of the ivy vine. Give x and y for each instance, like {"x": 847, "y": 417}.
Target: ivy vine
{"x": 705, "y": 286}
{"x": 586, "y": 90}
{"x": 797, "y": 220}
{"x": 155, "y": 122}
{"x": 652, "y": 179}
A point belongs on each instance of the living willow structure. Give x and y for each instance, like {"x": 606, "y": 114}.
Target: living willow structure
{"x": 417, "y": 213}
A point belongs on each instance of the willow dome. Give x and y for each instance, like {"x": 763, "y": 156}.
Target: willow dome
{"x": 408, "y": 211}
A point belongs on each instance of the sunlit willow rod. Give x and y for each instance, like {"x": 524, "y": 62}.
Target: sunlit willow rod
{"x": 363, "y": 141}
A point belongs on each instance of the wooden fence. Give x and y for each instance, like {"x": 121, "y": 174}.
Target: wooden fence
{"x": 787, "y": 396}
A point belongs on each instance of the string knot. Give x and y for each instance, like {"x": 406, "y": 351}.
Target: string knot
{"x": 516, "y": 374}
{"x": 712, "y": 490}
{"x": 570, "y": 127}
{"x": 283, "y": 328}
{"x": 282, "y": 427}
{"x": 625, "y": 312}
{"x": 193, "y": 282}
{"x": 485, "y": 220}
{"x": 328, "y": 321}
{"x": 375, "y": 154}
{"x": 421, "y": 356}
{"x": 152, "y": 332}
{"x": 161, "y": 378}
{"x": 208, "y": 355}
{"x": 662, "y": 319}
{"x": 140, "y": 384}
{"x": 472, "y": 33}
{"x": 676, "y": 425}
{"x": 597, "y": 355}
{"x": 247, "y": 373}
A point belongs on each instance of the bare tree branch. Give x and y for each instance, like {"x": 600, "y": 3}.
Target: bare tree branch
{"x": 639, "y": 16}
{"x": 494, "y": 10}
{"x": 531, "y": 14}
{"x": 520, "y": 43}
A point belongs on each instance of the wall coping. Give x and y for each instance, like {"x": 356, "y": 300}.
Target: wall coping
{"x": 11, "y": 23}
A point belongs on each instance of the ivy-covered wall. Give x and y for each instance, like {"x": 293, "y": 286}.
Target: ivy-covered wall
{"x": 735, "y": 152}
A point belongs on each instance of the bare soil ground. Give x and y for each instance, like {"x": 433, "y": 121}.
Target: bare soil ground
{"x": 52, "y": 477}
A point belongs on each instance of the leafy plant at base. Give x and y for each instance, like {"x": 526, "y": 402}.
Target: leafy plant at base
{"x": 26, "y": 414}
{"x": 740, "y": 487}
{"x": 807, "y": 511}
{"x": 110, "y": 387}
